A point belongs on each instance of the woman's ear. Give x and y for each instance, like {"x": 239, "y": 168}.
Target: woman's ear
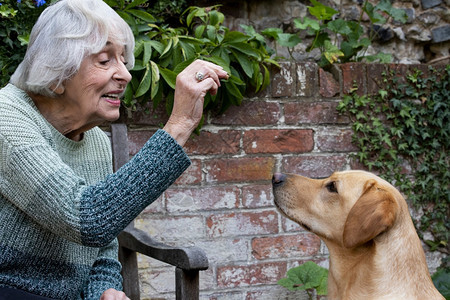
{"x": 58, "y": 89}
{"x": 373, "y": 213}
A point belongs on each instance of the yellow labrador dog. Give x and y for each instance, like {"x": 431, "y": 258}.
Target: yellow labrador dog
{"x": 375, "y": 252}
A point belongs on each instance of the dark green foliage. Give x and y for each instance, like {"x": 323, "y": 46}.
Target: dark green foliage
{"x": 339, "y": 40}
{"x": 162, "y": 52}
{"x": 16, "y": 20}
{"x": 403, "y": 133}
{"x": 306, "y": 277}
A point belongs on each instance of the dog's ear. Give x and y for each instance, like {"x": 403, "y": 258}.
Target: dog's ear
{"x": 372, "y": 214}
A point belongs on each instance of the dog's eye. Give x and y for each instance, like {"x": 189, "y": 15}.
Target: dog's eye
{"x": 331, "y": 187}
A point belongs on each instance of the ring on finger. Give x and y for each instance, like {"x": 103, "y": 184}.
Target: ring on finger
{"x": 199, "y": 76}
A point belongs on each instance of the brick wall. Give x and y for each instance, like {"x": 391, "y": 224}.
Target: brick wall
{"x": 223, "y": 203}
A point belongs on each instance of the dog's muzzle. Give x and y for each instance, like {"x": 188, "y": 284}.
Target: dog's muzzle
{"x": 278, "y": 179}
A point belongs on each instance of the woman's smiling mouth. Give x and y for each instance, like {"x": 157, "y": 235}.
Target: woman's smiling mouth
{"x": 113, "y": 98}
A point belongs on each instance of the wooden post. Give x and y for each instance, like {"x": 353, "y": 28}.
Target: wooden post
{"x": 187, "y": 284}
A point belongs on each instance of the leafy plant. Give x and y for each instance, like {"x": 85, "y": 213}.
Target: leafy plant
{"x": 17, "y": 19}
{"x": 162, "y": 52}
{"x": 340, "y": 40}
{"x": 306, "y": 277}
{"x": 441, "y": 278}
{"x": 403, "y": 133}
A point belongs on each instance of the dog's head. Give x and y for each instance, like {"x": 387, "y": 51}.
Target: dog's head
{"x": 349, "y": 208}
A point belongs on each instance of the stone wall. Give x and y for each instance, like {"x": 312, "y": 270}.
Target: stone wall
{"x": 224, "y": 204}
{"x": 423, "y": 38}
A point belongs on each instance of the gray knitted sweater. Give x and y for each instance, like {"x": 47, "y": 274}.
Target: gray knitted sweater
{"x": 61, "y": 208}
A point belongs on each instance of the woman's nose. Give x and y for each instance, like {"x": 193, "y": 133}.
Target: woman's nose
{"x": 122, "y": 73}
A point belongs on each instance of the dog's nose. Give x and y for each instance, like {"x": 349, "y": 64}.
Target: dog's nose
{"x": 278, "y": 179}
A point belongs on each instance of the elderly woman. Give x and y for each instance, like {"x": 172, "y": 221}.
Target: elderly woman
{"x": 60, "y": 207}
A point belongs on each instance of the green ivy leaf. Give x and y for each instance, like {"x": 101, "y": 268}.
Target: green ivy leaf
{"x": 288, "y": 39}
{"x": 372, "y": 13}
{"x": 272, "y": 32}
{"x": 306, "y": 276}
{"x": 145, "y": 83}
{"x": 155, "y": 79}
{"x": 143, "y": 15}
{"x": 24, "y": 39}
{"x": 235, "y": 37}
{"x": 233, "y": 90}
{"x": 320, "y": 11}
{"x": 133, "y": 3}
{"x": 219, "y": 61}
{"x": 307, "y": 22}
{"x": 339, "y": 26}
{"x": 245, "y": 63}
{"x": 147, "y": 52}
{"x": 246, "y": 49}
{"x": 332, "y": 52}
{"x": 397, "y": 14}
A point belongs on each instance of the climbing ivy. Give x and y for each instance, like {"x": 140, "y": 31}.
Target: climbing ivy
{"x": 340, "y": 40}
{"x": 403, "y": 134}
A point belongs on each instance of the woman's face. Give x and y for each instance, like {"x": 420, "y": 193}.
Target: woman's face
{"x": 94, "y": 91}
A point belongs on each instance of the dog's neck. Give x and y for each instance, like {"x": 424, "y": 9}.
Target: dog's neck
{"x": 378, "y": 263}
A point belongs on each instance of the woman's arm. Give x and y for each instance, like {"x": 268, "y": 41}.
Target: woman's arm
{"x": 105, "y": 275}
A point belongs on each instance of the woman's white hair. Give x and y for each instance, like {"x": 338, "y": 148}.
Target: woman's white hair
{"x": 66, "y": 33}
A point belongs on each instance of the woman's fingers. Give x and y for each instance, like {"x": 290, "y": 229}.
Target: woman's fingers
{"x": 192, "y": 85}
{"x": 112, "y": 294}
{"x": 202, "y": 70}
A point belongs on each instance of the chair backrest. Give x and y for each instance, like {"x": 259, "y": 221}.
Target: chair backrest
{"x": 187, "y": 260}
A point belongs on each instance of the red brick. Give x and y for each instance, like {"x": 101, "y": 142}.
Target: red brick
{"x": 307, "y": 79}
{"x": 250, "y": 113}
{"x": 353, "y": 74}
{"x": 313, "y": 113}
{"x": 220, "y": 142}
{"x": 250, "y": 275}
{"x": 314, "y": 165}
{"x": 278, "y": 141}
{"x": 355, "y": 164}
{"x": 256, "y": 196}
{"x": 423, "y": 69}
{"x": 292, "y": 246}
{"x": 177, "y": 230}
{"x": 338, "y": 140}
{"x": 238, "y": 224}
{"x": 329, "y": 87}
{"x": 239, "y": 169}
{"x": 204, "y": 198}
{"x": 137, "y": 139}
{"x": 399, "y": 71}
{"x": 274, "y": 293}
{"x": 156, "y": 207}
{"x": 283, "y": 83}
{"x": 192, "y": 175}
{"x": 375, "y": 77}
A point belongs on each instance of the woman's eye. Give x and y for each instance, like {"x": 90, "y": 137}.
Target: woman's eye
{"x": 331, "y": 187}
{"x": 104, "y": 62}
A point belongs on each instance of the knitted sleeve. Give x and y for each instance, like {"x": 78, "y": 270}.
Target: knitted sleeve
{"x": 105, "y": 273}
{"x": 108, "y": 207}
{"x": 35, "y": 179}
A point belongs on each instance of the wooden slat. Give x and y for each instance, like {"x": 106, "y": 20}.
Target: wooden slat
{"x": 119, "y": 140}
{"x": 187, "y": 260}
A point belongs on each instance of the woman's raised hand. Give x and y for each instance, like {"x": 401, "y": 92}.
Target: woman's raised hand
{"x": 192, "y": 84}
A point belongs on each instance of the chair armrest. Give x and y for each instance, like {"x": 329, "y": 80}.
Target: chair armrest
{"x": 186, "y": 258}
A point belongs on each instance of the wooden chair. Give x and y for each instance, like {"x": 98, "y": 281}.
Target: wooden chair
{"x": 187, "y": 260}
